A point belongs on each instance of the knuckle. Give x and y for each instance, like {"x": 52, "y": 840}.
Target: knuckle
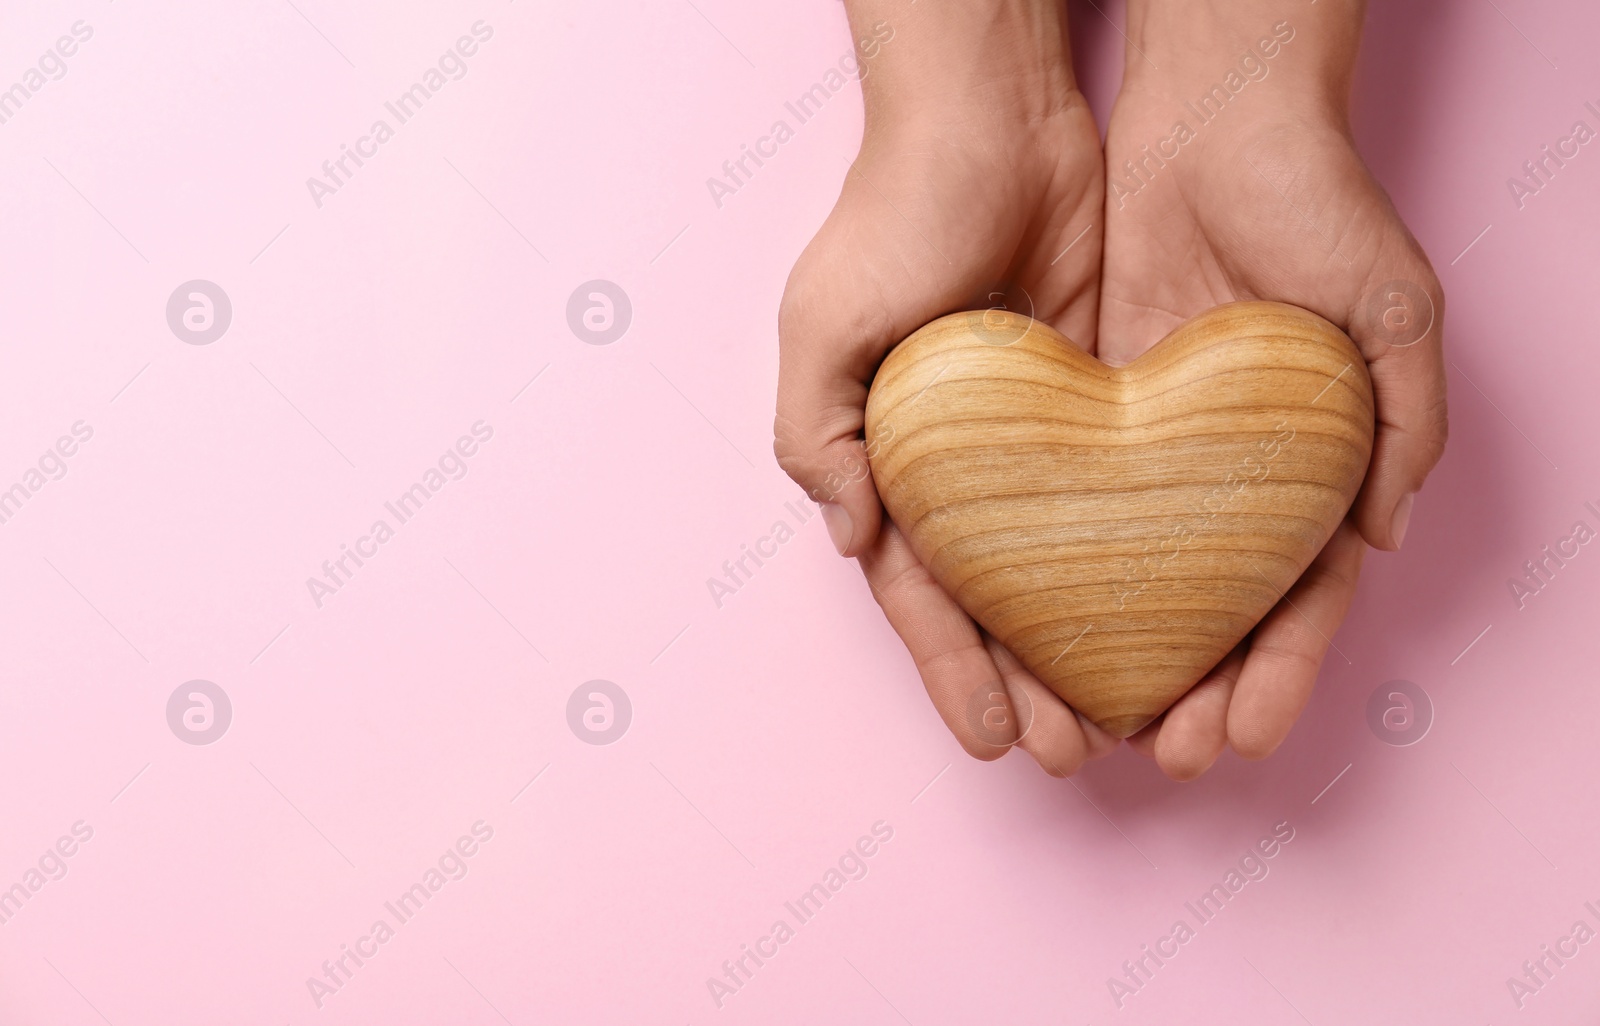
{"x": 1319, "y": 576}
{"x": 1436, "y": 432}
{"x": 790, "y": 461}
{"x": 1300, "y": 658}
{"x": 790, "y": 451}
{"x": 786, "y": 443}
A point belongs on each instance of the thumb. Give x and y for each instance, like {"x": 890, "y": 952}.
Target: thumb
{"x": 1399, "y": 328}
{"x": 826, "y": 358}
{"x": 867, "y": 280}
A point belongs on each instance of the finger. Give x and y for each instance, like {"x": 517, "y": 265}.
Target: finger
{"x": 1100, "y": 743}
{"x": 1196, "y": 727}
{"x": 1047, "y": 728}
{"x": 1286, "y": 648}
{"x": 956, "y": 668}
{"x": 1400, "y": 330}
{"x": 826, "y": 357}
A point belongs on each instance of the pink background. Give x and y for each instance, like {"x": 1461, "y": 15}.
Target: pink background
{"x": 769, "y": 734}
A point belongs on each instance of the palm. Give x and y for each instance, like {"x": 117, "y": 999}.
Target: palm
{"x": 925, "y": 228}
{"x": 1268, "y": 212}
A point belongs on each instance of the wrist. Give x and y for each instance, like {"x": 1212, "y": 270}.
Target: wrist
{"x": 1208, "y": 53}
{"x": 983, "y": 65}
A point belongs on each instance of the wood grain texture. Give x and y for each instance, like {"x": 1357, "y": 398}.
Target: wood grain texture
{"x": 1120, "y": 529}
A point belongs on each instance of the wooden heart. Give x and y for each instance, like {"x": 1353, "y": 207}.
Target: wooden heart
{"x": 1120, "y": 529}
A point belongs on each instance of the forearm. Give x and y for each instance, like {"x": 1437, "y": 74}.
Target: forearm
{"x": 964, "y": 61}
{"x": 1176, "y": 47}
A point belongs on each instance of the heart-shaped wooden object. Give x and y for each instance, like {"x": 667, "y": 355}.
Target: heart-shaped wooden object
{"x": 1120, "y": 529}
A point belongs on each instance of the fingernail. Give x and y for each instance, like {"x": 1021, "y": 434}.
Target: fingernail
{"x": 1402, "y": 518}
{"x": 839, "y": 527}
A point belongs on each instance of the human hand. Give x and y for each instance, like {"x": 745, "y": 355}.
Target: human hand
{"x": 1268, "y": 200}
{"x": 979, "y": 183}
